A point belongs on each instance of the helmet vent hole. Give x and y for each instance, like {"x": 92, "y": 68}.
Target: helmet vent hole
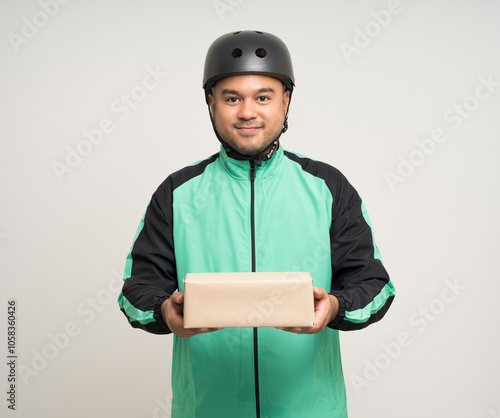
{"x": 236, "y": 33}
{"x": 237, "y": 53}
{"x": 259, "y": 32}
{"x": 260, "y": 52}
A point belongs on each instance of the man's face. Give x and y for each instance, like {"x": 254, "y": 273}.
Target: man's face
{"x": 249, "y": 111}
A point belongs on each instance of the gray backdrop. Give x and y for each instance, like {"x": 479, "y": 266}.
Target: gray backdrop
{"x": 101, "y": 100}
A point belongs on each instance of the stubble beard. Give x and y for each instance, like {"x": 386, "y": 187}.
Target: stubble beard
{"x": 262, "y": 147}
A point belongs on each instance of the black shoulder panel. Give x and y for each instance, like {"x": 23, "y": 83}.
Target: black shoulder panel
{"x": 187, "y": 173}
{"x": 336, "y": 182}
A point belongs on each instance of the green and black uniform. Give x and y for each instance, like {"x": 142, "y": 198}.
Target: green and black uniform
{"x": 225, "y": 215}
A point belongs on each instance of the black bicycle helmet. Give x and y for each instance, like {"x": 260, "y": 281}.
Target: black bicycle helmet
{"x": 247, "y": 52}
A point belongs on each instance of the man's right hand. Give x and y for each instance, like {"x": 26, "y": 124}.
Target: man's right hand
{"x": 172, "y": 313}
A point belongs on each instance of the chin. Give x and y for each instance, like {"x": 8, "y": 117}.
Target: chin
{"x": 245, "y": 149}
{"x": 250, "y": 151}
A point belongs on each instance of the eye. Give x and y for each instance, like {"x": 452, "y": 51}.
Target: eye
{"x": 232, "y": 99}
{"x": 262, "y": 98}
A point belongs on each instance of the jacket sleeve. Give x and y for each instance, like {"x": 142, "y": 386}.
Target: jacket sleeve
{"x": 359, "y": 279}
{"x": 150, "y": 273}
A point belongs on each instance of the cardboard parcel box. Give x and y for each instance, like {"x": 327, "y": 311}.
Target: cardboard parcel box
{"x": 216, "y": 300}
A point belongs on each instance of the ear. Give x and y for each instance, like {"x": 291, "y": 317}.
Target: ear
{"x": 286, "y": 101}
{"x": 211, "y": 104}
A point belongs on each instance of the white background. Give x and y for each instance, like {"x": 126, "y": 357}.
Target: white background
{"x": 362, "y": 103}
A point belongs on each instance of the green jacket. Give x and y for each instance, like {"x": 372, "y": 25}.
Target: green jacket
{"x": 289, "y": 214}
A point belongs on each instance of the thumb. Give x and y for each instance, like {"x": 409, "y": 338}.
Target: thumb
{"x": 319, "y": 293}
{"x": 177, "y": 297}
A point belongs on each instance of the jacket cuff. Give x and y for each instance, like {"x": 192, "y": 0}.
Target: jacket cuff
{"x": 157, "y": 313}
{"x": 341, "y": 313}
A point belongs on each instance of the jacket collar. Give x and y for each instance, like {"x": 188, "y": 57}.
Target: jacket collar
{"x": 240, "y": 169}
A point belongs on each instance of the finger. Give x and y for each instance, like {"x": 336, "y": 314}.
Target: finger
{"x": 180, "y": 297}
{"x": 205, "y": 330}
{"x": 294, "y": 330}
{"x": 190, "y": 332}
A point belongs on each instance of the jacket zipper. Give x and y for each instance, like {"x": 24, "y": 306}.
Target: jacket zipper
{"x": 255, "y": 334}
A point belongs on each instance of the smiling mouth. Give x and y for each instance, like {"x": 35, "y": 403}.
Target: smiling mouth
{"x": 248, "y": 129}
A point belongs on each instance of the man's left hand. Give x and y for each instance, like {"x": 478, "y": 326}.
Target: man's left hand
{"x": 326, "y": 307}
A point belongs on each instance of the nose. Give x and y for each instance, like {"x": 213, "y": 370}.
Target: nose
{"x": 247, "y": 109}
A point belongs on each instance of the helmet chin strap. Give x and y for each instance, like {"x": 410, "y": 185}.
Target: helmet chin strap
{"x": 256, "y": 158}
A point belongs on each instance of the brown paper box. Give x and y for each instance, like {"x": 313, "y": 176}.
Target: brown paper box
{"x": 215, "y": 300}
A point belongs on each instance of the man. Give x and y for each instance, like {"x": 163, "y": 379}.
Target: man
{"x": 255, "y": 207}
